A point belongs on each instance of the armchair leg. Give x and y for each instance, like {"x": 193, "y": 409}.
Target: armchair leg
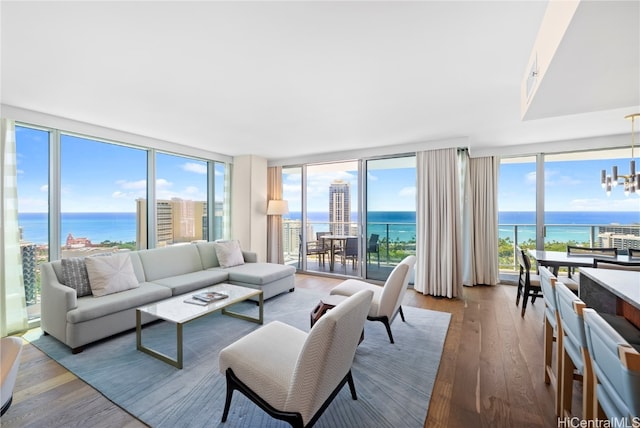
{"x": 401, "y": 314}
{"x": 227, "y": 403}
{"x": 387, "y": 325}
{"x": 352, "y": 386}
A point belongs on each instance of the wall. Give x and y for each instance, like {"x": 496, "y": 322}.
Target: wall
{"x": 249, "y": 204}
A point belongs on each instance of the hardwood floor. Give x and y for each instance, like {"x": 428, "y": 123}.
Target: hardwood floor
{"x": 490, "y": 375}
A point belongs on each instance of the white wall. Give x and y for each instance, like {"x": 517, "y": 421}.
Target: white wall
{"x": 249, "y": 204}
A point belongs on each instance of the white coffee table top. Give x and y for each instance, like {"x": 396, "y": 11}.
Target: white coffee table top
{"x": 175, "y": 309}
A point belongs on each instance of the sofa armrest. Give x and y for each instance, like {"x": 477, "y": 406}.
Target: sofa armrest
{"x": 57, "y": 300}
{"x": 250, "y": 256}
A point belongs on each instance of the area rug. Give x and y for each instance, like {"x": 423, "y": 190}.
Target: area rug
{"x": 393, "y": 381}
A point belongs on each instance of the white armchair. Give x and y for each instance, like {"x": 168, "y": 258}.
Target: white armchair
{"x": 10, "y": 350}
{"x": 387, "y": 299}
{"x": 296, "y": 380}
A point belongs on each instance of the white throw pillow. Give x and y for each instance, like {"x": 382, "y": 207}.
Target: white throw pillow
{"x": 110, "y": 274}
{"x": 229, "y": 253}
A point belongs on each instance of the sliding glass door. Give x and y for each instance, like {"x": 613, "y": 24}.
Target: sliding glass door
{"x": 332, "y": 234}
{"x": 390, "y": 214}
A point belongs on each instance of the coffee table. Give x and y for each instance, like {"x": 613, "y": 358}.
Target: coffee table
{"x": 175, "y": 310}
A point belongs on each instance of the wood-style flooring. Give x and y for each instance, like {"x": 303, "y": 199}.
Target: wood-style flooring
{"x": 490, "y": 375}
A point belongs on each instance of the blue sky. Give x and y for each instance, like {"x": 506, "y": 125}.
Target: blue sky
{"x": 99, "y": 177}
{"x": 569, "y": 186}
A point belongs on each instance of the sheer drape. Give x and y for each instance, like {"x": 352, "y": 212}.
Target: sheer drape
{"x": 275, "y": 250}
{"x": 480, "y": 222}
{"x": 13, "y": 309}
{"x": 439, "y": 264}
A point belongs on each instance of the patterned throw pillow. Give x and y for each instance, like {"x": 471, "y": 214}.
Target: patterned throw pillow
{"x": 74, "y": 275}
{"x": 229, "y": 253}
{"x": 111, "y": 274}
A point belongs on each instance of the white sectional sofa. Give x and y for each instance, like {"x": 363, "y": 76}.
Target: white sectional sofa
{"x": 159, "y": 273}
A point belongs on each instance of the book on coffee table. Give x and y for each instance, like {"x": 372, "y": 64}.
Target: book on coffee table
{"x": 203, "y": 299}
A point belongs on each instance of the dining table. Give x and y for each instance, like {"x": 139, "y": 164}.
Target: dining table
{"x": 332, "y": 246}
{"x": 554, "y": 260}
{"x": 612, "y": 291}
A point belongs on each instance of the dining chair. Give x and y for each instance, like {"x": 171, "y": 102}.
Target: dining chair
{"x": 575, "y": 250}
{"x": 548, "y": 284}
{"x": 350, "y": 251}
{"x": 528, "y": 283}
{"x": 293, "y": 375}
{"x": 616, "y": 264}
{"x": 616, "y": 370}
{"x": 387, "y": 299}
{"x": 574, "y": 354}
{"x": 373, "y": 247}
{"x": 634, "y": 253}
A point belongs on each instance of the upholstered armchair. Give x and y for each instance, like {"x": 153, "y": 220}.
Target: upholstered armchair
{"x": 10, "y": 350}
{"x": 300, "y": 375}
{"x": 387, "y": 300}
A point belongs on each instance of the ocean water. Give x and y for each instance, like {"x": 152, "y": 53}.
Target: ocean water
{"x": 121, "y": 227}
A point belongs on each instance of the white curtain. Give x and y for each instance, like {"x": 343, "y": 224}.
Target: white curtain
{"x": 13, "y": 309}
{"x": 480, "y": 221}
{"x": 275, "y": 248}
{"x": 439, "y": 241}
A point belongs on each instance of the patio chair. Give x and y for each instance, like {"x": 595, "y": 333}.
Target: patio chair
{"x": 373, "y": 247}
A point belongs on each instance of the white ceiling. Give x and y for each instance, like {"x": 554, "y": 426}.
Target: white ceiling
{"x": 291, "y": 79}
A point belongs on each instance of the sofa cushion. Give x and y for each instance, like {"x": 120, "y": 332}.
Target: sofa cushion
{"x": 74, "y": 275}
{"x": 110, "y": 274}
{"x": 187, "y": 282}
{"x": 208, "y": 255}
{"x": 170, "y": 261}
{"x": 259, "y": 273}
{"x": 91, "y": 308}
{"x": 229, "y": 253}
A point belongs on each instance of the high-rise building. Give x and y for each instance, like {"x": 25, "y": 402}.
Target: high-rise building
{"x": 339, "y": 207}
{"x": 177, "y": 220}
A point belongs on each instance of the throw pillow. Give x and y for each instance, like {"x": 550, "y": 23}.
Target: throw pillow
{"x": 229, "y": 253}
{"x": 110, "y": 274}
{"x": 74, "y": 275}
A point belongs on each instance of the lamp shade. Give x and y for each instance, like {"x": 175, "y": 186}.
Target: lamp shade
{"x": 277, "y": 207}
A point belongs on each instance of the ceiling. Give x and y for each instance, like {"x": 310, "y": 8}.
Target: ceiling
{"x": 290, "y": 79}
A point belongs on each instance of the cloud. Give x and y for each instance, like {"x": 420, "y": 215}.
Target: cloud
{"x": 44, "y": 188}
{"x": 162, "y": 183}
{"x": 530, "y": 177}
{"x": 132, "y": 185}
{"x": 191, "y": 190}
{"x": 407, "y": 192}
{"x": 198, "y": 168}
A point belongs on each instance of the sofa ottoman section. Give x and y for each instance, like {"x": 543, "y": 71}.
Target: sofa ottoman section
{"x": 271, "y": 278}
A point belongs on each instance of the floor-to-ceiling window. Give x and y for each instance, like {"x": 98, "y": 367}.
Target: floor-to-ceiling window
{"x": 181, "y": 199}
{"x": 100, "y": 184}
{"x": 390, "y": 214}
{"x": 575, "y": 208}
{"x": 79, "y": 195}
{"x": 516, "y": 208}
{"x": 32, "y": 154}
{"x": 292, "y": 222}
{"x": 332, "y": 218}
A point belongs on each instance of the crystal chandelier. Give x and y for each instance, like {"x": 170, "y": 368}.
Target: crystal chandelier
{"x": 631, "y": 181}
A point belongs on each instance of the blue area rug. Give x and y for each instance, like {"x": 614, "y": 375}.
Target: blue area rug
{"x": 393, "y": 381}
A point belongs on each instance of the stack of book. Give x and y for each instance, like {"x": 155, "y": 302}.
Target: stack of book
{"x": 205, "y": 298}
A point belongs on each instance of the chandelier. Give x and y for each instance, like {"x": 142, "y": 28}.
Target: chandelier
{"x": 631, "y": 181}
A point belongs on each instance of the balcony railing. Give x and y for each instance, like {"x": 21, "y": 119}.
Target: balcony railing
{"x": 558, "y": 236}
